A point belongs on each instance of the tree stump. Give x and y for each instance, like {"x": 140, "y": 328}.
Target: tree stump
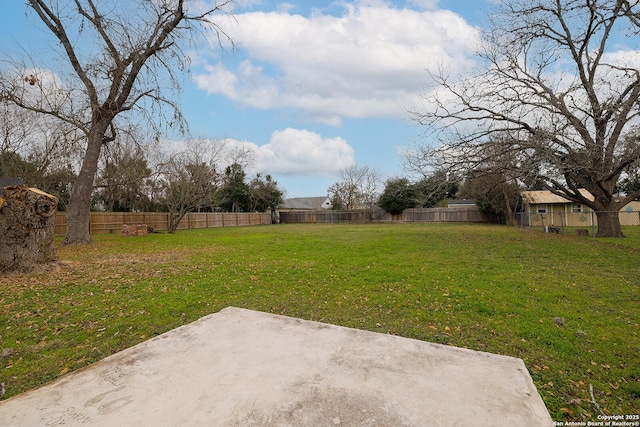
{"x": 27, "y": 227}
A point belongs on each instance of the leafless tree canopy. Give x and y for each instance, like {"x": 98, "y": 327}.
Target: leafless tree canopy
{"x": 189, "y": 179}
{"x": 121, "y": 56}
{"x": 553, "y": 98}
{"x": 358, "y": 188}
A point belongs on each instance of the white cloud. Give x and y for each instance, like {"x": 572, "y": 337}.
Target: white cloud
{"x": 218, "y": 79}
{"x": 289, "y": 151}
{"x": 298, "y": 152}
{"x": 367, "y": 62}
{"x": 624, "y": 58}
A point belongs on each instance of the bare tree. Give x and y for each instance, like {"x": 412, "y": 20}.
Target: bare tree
{"x": 45, "y": 142}
{"x": 494, "y": 193}
{"x": 38, "y": 149}
{"x": 556, "y": 94}
{"x": 438, "y": 187}
{"x": 121, "y": 55}
{"x": 189, "y": 179}
{"x": 240, "y": 155}
{"x": 15, "y": 128}
{"x": 358, "y": 188}
{"x": 123, "y": 174}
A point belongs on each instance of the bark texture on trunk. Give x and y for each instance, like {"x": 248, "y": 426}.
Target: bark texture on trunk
{"x": 27, "y": 227}
{"x": 609, "y": 224}
{"x": 79, "y": 208}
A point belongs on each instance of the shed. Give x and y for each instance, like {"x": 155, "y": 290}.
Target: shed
{"x": 545, "y": 208}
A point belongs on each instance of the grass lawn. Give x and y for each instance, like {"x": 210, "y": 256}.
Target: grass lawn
{"x": 568, "y": 306}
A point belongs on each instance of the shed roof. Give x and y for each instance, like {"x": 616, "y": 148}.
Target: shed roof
{"x": 7, "y": 181}
{"x": 306, "y": 203}
{"x": 461, "y": 202}
{"x": 547, "y": 197}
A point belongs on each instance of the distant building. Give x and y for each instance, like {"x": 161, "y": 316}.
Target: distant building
{"x": 544, "y": 205}
{"x": 461, "y": 203}
{"x": 546, "y": 208}
{"x": 8, "y": 181}
{"x": 306, "y": 203}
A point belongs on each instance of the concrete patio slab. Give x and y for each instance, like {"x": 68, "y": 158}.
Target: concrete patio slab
{"x": 244, "y": 368}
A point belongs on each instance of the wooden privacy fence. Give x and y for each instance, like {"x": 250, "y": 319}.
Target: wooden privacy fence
{"x": 467, "y": 214}
{"x": 112, "y": 222}
{"x": 573, "y": 219}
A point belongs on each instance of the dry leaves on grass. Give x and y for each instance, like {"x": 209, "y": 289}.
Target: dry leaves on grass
{"x": 93, "y": 269}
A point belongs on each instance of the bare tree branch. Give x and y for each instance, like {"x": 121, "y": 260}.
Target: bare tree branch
{"x": 552, "y": 87}
{"x": 119, "y": 53}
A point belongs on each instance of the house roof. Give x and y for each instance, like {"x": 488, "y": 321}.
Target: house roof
{"x": 547, "y": 197}
{"x": 306, "y": 203}
{"x": 461, "y": 202}
{"x": 7, "y": 181}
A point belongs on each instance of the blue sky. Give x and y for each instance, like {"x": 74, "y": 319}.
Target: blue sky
{"x": 316, "y": 86}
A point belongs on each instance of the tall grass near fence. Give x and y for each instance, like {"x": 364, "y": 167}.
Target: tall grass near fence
{"x": 567, "y": 306}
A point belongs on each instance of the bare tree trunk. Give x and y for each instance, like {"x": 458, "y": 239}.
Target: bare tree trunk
{"x": 79, "y": 209}
{"x": 510, "y": 219}
{"x": 27, "y": 226}
{"x": 609, "y": 224}
{"x": 174, "y": 221}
